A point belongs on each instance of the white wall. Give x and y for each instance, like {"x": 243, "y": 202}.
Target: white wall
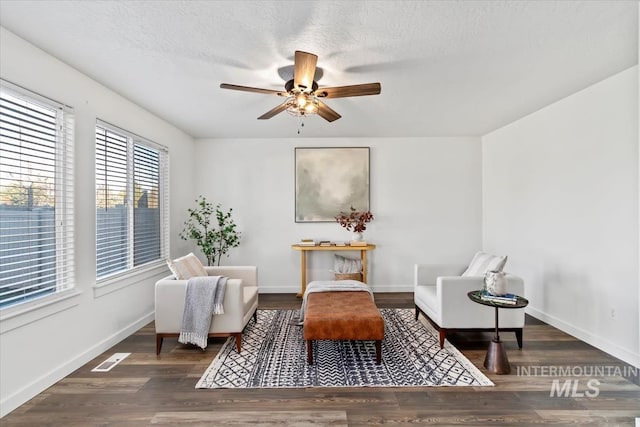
{"x": 560, "y": 197}
{"x": 425, "y": 197}
{"x": 62, "y": 337}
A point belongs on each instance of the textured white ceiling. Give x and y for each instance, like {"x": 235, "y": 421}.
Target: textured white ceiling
{"x": 446, "y": 67}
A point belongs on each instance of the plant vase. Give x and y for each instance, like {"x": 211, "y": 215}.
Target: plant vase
{"x": 357, "y": 236}
{"x": 495, "y": 283}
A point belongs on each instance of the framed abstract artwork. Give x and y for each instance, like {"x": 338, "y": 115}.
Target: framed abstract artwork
{"x": 329, "y": 181}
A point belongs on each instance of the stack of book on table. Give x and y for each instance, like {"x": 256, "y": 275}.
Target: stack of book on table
{"x": 504, "y": 299}
{"x": 325, "y": 243}
{"x": 357, "y": 243}
{"x": 307, "y": 242}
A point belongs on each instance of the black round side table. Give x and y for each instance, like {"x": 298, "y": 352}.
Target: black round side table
{"x": 496, "y": 359}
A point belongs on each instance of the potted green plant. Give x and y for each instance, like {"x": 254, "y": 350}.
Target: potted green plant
{"x": 214, "y": 237}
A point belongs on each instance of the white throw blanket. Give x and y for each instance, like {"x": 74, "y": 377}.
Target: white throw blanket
{"x": 203, "y": 299}
{"x": 330, "y": 286}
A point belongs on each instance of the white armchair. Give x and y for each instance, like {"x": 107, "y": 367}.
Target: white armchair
{"x": 240, "y": 304}
{"x": 440, "y": 294}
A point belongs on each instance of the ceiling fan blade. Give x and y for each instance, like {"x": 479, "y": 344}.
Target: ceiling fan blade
{"x": 326, "y": 112}
{"x": 252, "y": 89}
{"x": 279, "y": 109}
{"x": 345, "y": 91}
{"x": 304, "y": 70}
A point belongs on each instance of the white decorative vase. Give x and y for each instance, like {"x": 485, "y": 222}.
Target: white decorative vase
{"x": 495, "y": 283}
{"x": 357, "y": 236}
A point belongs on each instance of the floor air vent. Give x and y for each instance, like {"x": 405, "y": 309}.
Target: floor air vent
{"x": 108, "y": 364}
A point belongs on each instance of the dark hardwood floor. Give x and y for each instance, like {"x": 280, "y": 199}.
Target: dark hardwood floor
{"x": 146, "y": 389}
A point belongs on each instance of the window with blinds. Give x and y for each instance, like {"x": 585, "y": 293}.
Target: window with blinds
{"x": 36, "y": 196}
{"x": 131, "y": 201}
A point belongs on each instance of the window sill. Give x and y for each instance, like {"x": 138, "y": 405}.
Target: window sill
{"x": 131, "y": 277}
{"x": 23, "y": 314}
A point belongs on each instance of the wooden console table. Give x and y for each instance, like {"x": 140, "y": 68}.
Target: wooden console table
{"x": 303, "y": 259}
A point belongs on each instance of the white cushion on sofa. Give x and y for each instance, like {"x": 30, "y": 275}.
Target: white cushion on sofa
{"x": 483, "y": 262}
{"x": 186, "y": 267}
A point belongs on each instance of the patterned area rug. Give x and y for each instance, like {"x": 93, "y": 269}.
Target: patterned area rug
{"x": 274, "y": 356}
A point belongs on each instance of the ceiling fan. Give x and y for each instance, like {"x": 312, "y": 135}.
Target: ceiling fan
{"x": 303, "y": 93}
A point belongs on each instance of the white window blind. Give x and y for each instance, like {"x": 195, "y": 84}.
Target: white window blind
{"x": 131, "y": 201}
{"x": 36, "y": 196}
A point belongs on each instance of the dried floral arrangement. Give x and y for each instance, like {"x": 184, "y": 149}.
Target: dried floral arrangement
{"x": 354, "y": 221}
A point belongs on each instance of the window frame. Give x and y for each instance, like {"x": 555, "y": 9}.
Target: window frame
{"x": 64, "y": 290}
{"x": 133, "y": 274}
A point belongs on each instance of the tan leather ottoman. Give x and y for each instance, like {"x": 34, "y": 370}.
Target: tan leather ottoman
{"x": 342, "y": 315}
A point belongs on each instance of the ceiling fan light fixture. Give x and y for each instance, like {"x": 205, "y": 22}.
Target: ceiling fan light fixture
{"x": 302, "y": 104}
{"x": 301, "y": 100}
{"x": 311, "y": 108}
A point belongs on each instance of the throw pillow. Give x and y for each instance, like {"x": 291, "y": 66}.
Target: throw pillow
{"x": 346, "y": 265}
{"x": 186, "y": 267}
{"x": 483, "y": 262}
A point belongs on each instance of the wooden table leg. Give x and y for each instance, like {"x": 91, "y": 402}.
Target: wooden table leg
{"x": 303, "y": 273}
{"x": 363, "y": 258}
{"x": 496, "y": 359}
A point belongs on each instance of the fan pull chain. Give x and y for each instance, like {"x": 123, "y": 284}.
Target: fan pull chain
{"x": 301, "y": 124}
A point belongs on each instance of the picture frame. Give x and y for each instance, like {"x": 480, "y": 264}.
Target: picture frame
{"x": 330, "y": 180}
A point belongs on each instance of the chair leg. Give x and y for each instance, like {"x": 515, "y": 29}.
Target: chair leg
{"x": 519, "y": 337}
{"x": 238, "y": 341}
{"x": 158, "y": 343}
{"x": 443, "y": 334}
{"x": 417, "y": 312}
{"x": 255, "y": 316}
{"x": 378, "y": 352}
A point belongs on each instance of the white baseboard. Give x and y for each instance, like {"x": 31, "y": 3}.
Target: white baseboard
{"x": 599, "y": 342}
{"x": 296, "y": 289}
{"x": 392, "y": 288}
{"x": 31, "y": 390}
{"x": 278, "y": 289}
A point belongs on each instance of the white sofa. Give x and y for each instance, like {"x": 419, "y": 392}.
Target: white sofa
{"x": 240, "y": 304}
{"x": 440, "y": 294}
